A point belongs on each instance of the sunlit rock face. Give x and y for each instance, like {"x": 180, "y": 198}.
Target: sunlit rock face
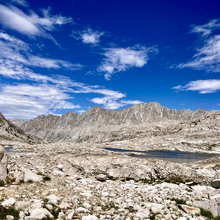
{"x": 81, "y": 127}
{"x": 3, "y": 163}
{"x": 11, "y": 132}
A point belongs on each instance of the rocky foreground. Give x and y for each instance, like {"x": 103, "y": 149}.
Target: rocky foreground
{"x": 82, "y": 181}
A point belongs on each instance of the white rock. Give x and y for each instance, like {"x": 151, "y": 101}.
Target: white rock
{"x": 58, "y": 173}
{"x": 52, "y": 199}
{"x": 70, "y": 215}
{"x": 9, "y": 217}
{"x": 101, "y": 177}
{"x": 61, "y": 215}
{"x": 64, "y": 205}
{"x": 171, "y": 186}
{"x": 81, "y": 209}
{"x": 49, "y": 206}
{"x": 89, "y": 217}
{"x": 30, "y": 176}
{"x": 22, "y": 205}
{"x": 60, "y": 166}
{"x": 155, "y": 208}
{"x": 3, "y": 163}
{"x": 38, "y": 214}
{"x": 8, "y": 202}
{"x": 86, "y": 205}
{"x": 36, "y": 205}
{"x": 86, "y": 194}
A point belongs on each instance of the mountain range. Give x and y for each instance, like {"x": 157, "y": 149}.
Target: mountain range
{"x": 81, "y": 127}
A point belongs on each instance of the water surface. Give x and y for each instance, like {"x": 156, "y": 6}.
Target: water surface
{"x": 172, "y": 156}
{"x": 10, "y": 150}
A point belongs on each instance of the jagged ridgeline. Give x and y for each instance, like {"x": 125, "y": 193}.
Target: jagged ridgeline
{"x": 81, "y": 127}
{"x": 11, "y": 132}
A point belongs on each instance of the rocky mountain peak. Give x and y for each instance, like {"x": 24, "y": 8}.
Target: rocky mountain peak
{"x": 72, "y": 126}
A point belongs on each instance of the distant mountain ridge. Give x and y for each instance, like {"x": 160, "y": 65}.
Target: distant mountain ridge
{"x": 11, "y": 132}
{"x": 73, "y": 127}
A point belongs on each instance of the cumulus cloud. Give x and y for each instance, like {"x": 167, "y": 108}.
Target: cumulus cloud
{"x": 122, "y": 59}
{"x": 32, "y": 100}
{"x": 88, "y": 36}
{"x": 45, "y": 94}
{"x": 207, "y": 56}
{"x": 31, "y": 24}
{"x": 202, "y": 86}
{"x": 45, "y": 98}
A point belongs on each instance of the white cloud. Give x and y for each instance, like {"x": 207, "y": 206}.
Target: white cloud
{"x": 88, "y": 36}
{"x": 51, "y": 63}
{"x": 33, "y": 100}
{"x": 202, "y": 86}
{"x": 131, "y": 102}
{"x": 111, "y": 100}
{"x": 206, "y": 29}
{"x": 121, "y": 59}
{"x": 31, "y": 25}
{"x": 15, "y": 57}
{"x": 20, "y": 2}
{"x": 207, "y": 57}
{"x": 81, "y": 111}
{"x": 49, "y": 93}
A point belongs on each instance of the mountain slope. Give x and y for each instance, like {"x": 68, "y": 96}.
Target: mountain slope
{"x": 11, "y": 132}
{"x": 81, "y": 127}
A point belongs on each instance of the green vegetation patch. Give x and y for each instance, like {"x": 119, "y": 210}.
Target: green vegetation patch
{"x": 179, "y": 201}
{"x": 55, "y": 212}
{"x": 109, "y": 206}
{"x": 9, "y": 211}
{"x": 45, "y": 177}
{"x": 206, "y": 213}
{"x": 2, "y": 183}
{"x": 10, "y": 180}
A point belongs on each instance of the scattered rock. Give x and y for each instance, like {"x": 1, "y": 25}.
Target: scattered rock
{"x": 191, "y": 210}
{"x": 3, "y": 163}
{"x": 52, "y": 199}
{"x": 101, "y": 177}
{"x": 31, "y": 176}
{"x": 39, "y": 214}
{"x": 8, "y": 202}
{"x": 215, "y": 183}
{"x": 89, "y": 217}
{"x": 58, "y": 173}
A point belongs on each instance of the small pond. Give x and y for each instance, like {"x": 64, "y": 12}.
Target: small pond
{"x": 172, "y": 156}
{"x": 10, "y": 150}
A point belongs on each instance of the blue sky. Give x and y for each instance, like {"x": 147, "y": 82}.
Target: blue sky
{"x": 57, "y": 57}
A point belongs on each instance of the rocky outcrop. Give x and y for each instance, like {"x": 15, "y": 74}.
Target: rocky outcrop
{"x": 11, "y": 132}
{"x": 3, "y": 163}
{"x": 81, "y": 127}
{"x": 16, "y": 121}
